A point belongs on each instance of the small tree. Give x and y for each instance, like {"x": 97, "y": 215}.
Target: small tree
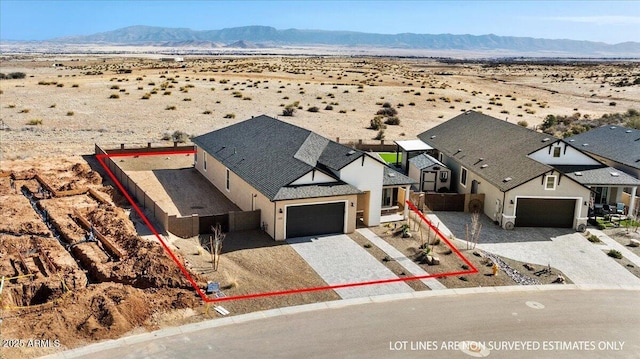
{"x": 473, "y": 233}
{"x": 288, "y": 111}
{"x": 215, "y": 244}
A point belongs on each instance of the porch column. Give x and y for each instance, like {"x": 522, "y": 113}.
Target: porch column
{"x": 407, "y": 192}
{"x": 632, "y": 201}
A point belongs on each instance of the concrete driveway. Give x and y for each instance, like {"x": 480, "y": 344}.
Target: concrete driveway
{"x": 583, "y": 262}
{"x": 339, "y": 260}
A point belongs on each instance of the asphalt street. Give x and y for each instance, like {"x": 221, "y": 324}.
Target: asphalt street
{"x": 566, "y": 323}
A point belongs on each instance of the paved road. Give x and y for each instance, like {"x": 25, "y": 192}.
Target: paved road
{"x": 340, "y": 260}
{"x": 511, "y": 323}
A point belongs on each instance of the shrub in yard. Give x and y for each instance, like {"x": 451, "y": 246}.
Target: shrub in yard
{"x": 593, "y": 238}
{"x": 523, "y": 123}
{"x": 614, "y": 254}
{"x": 380, "y": 135}
{"x": 313, "y": 109}
{"x": 230, "y": 115}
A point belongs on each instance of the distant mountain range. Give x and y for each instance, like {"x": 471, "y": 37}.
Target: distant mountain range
{"x": 269, "y": 37}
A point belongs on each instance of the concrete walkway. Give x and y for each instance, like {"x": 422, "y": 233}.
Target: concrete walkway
{"x": 339, "y": 260}
{"x": 405, "y": 262}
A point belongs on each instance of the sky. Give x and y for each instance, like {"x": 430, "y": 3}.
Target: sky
{"x": 604, "y": 21}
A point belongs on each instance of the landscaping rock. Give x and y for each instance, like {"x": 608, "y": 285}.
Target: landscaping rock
{"x": 431, "y": 260}
{"x": 634, "y": 243}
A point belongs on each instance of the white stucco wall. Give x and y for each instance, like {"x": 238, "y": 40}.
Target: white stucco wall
{"x": 312, "y": 177}
{"x": 366, "y": 175}
{"x": 568, "y": 155}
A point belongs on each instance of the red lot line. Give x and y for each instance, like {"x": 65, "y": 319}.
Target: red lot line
{"x": 206, "y": 299}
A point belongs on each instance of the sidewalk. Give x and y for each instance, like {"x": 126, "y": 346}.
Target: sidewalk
{"x": 405, "y": 262}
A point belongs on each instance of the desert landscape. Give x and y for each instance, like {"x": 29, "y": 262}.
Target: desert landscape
{"x": 54, "y": 195}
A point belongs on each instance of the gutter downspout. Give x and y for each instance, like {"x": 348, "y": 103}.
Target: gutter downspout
{"x": 504, "y": 196}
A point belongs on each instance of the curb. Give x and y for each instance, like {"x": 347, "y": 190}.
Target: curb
{"x": 243, "y": 318}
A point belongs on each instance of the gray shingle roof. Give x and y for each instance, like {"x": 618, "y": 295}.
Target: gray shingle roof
{"x": 423, "y": 161}
{"x": 395, "y": 178}
{"x": 617, "y": 143}
{"x": 269, "y": 154}
{"x": 598, "y": 175}
{"x": 474, "y": 140}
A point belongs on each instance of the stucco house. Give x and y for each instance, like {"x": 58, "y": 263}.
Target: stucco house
{"x": 303, "y": 184}
{"x": 431, "y": 174}
{"x": 529, "y": 179}
{"x": 617, "y": 147}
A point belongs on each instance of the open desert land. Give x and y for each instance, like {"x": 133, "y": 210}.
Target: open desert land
{"x": 77, "y": 289}
{"x": 65, "y": 109}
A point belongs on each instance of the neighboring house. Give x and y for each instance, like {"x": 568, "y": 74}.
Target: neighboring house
{"x": 615, "y": 146}
{"x": 431, "y": 174}
{"x": 520, "y": 171}
{"x": 303, "y": 184}
{"x": 407, "y": 149}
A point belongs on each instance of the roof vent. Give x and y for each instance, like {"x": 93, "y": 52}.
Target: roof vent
{"x": 351, "y": 152}
{"x": 615, "y": 174}
{"x": 507, "y": 179}
{"x": 585, "y": 144}
{"x": 578, "y": 173}
{"x": 546, "y": 139}
{"x": 433, "y": 136}
{"x": 612, "y": 127}
{"x": 628, "y": 131}
{"x": 572, "y": 140}
{"x": 484, "y": 166}
{"x": 481, "y": 159}
{"x": 392, "y": 174}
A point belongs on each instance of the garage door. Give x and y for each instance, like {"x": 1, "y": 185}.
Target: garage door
{"x": 315, "y": 219}
{"x": 536, "y": 212}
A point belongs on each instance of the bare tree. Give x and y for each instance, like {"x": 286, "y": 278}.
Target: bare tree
{"x": 473, "y": 233}
{"x": 215, "y": 242}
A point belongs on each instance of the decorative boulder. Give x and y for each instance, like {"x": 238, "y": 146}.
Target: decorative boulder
{"x": 634, "y": 243}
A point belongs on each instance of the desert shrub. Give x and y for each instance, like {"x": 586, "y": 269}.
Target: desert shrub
{"x": 187, "y": 99}
{"x": 288, "y": 111}
{"x": 386, "y": 105}
{"x": 170, "y": 108}
{"x": 12, "y": 76}
{"x": 53, "y": 105}
{"x": 230, "y": 115}
{"x": 379, "y": 135}
{"x": 387, "y": 111}
{"x": 593, "y": 238}
{"x": 377, "y": 123}
{"x": 246, "y": 98}
{"x": 179, "y": 136}
{"x": 70, "y": 113}
{"x": 75, "y": 85}
{"x": 392, "y": 121}
{"x": 523, "y": 123}
{"x": 614, "y": 254}
{"x": 367, "y": 245}
{"x": 342, "y": 111}
{"x": 60, "y": 85}
{"x": 313, "y": 109}
{"x": 34, "y": 122}
{"x": 328, "y": 107}
{"x": 11, "y": 106}
{"x": 114, "y": 96}
{"x": 612, "y": 103}
{"x": 146, "y": 96}
{"x": 206, "y": 112}
{"x": 115, "y": 87}
{"x": 25, "y": 110}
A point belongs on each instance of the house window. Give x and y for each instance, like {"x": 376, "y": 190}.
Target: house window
{"x": 440, "y": 157}
{"x": 463, "y": 177}
{"x": 205, "y": 162}
{"x": 228, "y": 180}
{"x": 556, "y": 152}
{"x": 550, "y": 183}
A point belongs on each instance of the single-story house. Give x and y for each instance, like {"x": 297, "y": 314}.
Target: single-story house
{"x": 302, "y": 183}
{"x": 617, "y": 147}
{"x": 522, "y": 173}
{"x": 431, "y": 174}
